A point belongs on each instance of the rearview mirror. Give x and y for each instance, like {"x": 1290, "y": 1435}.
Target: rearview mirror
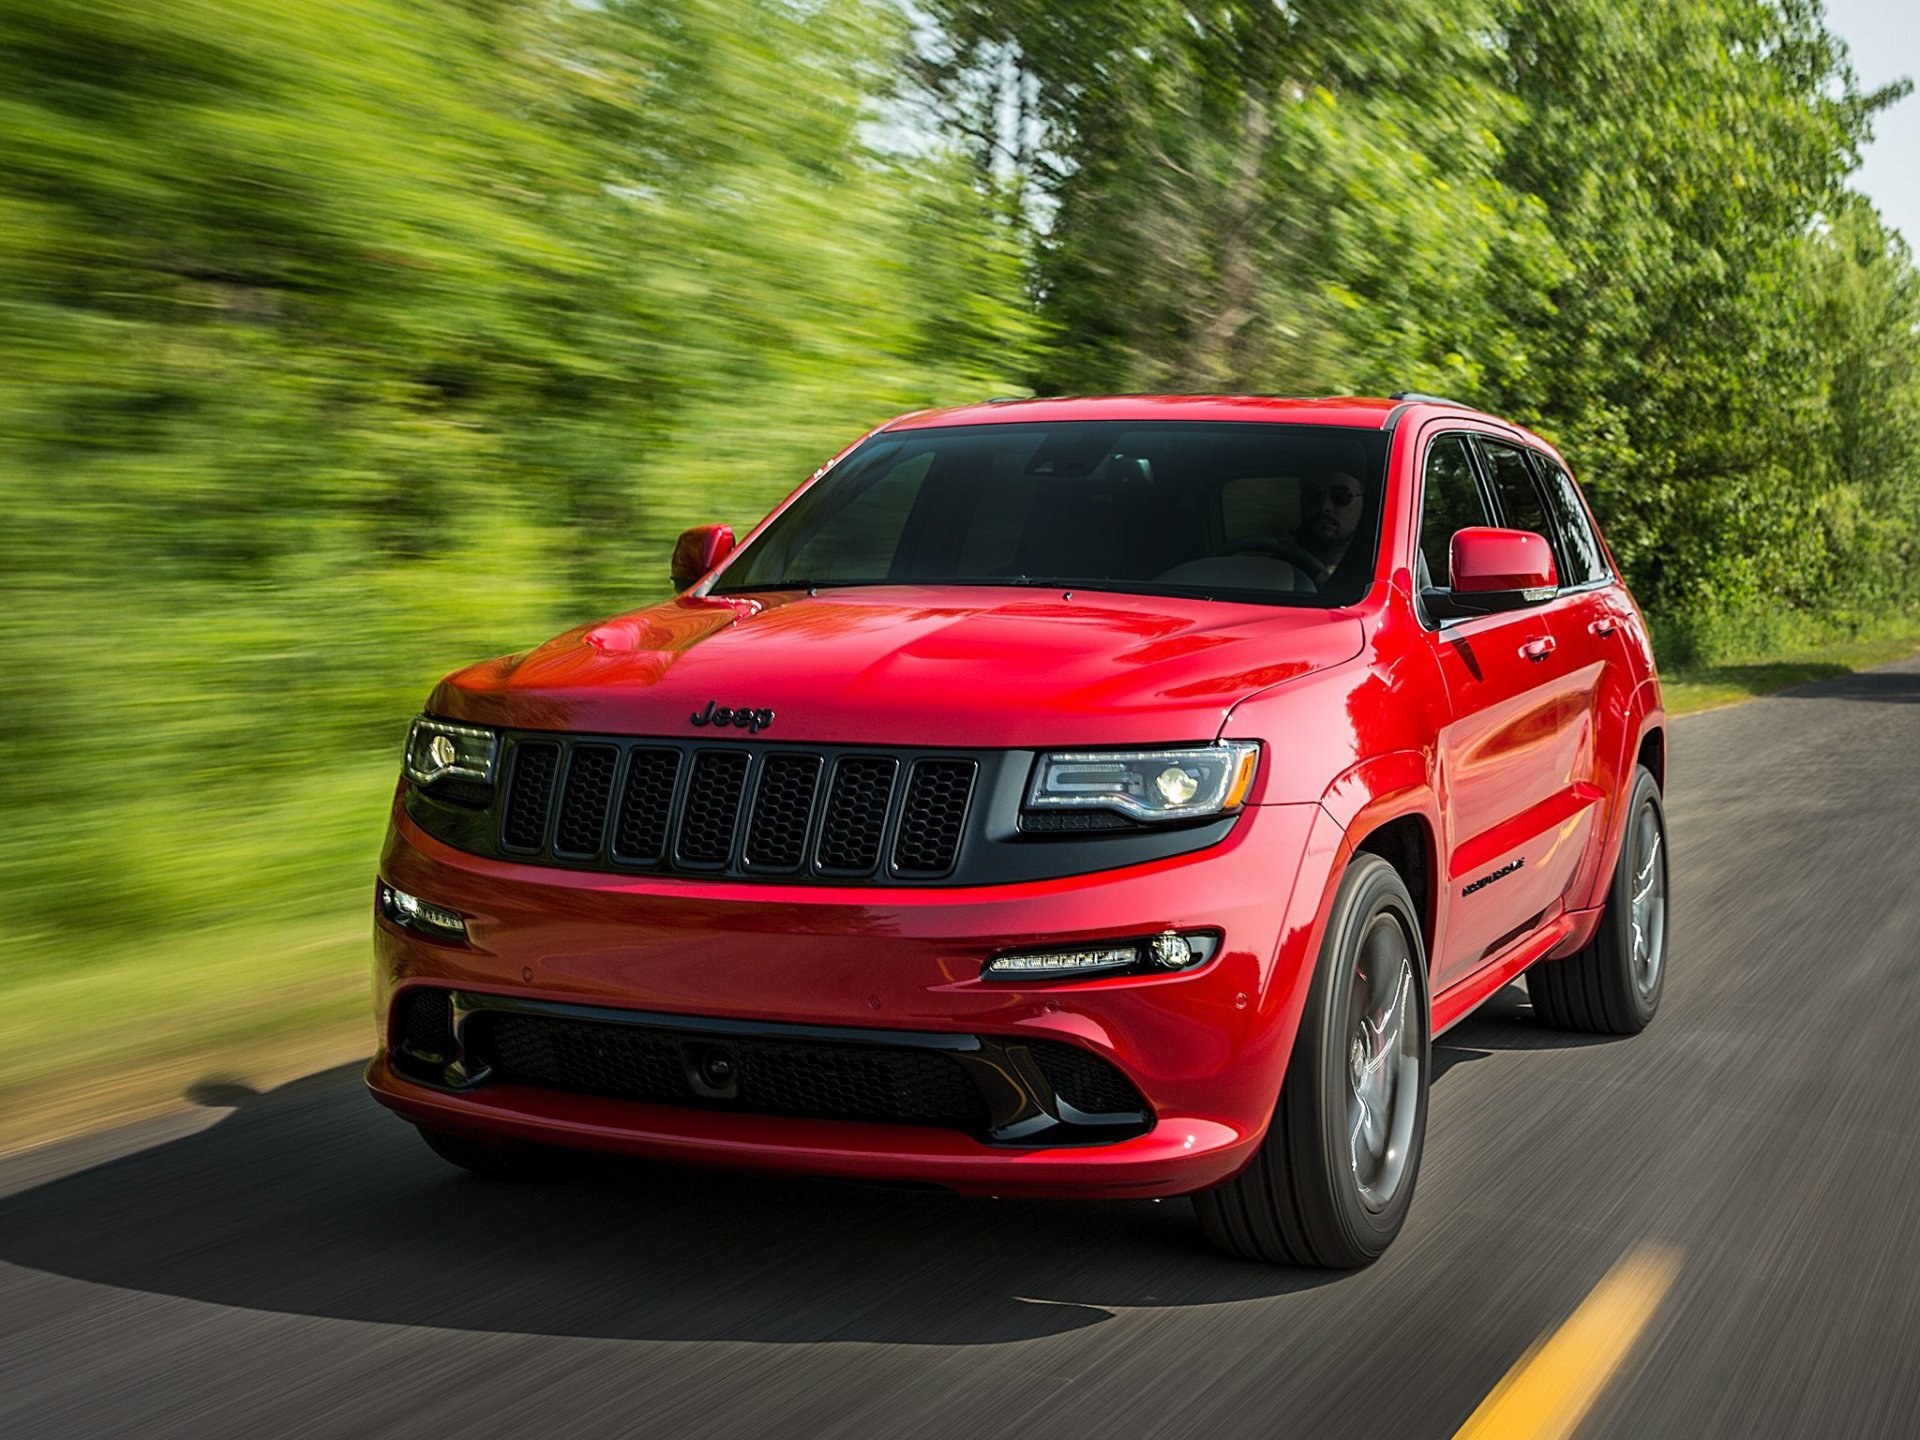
{"x": 1501, "y": 569}
{"x": 698, "y": 550}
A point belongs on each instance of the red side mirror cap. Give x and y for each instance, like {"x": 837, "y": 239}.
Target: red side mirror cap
{"x": 1487, "y": 561}
{"x": 698, "y": 550}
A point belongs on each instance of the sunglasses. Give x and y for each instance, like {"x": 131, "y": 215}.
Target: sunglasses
{"x": 1342, "y": 495}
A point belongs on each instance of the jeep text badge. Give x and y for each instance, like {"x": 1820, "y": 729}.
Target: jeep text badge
{"x": 739, "y": 716}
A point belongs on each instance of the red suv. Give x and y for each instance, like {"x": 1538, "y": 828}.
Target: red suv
{"x": 1098, "y": 797}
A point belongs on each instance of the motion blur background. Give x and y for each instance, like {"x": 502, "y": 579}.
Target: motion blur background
{"x": 346, "y": 341}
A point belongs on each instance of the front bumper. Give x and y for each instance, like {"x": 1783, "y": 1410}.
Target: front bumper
{"x": 1206, "y": 1049}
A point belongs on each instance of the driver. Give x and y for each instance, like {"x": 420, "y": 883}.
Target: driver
{"x": 1329, "y": 516}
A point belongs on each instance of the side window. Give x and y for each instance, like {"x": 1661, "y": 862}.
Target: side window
{"x": 1584, "y": 561}
{"x": 1450, "y": 501}
{"x": 1513, "y": 486}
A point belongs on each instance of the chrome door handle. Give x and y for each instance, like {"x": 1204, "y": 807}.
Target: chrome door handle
{"x": 1538, "y": 648}
{"x": 1604, "y": 626}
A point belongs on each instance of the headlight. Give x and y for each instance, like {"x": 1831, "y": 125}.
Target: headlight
{"x": 437, "y": 750}
{"x": 1150, "y": 785}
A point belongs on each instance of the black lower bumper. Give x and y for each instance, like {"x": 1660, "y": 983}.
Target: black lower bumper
{"x": 1003, "y": 1090}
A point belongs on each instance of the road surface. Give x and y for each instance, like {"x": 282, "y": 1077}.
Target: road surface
{"x": 297, "y": 1264}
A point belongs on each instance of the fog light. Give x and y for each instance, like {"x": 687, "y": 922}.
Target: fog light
{"x": 1171, "y": 951}
{"x": 410, "y": 912}
{"x": 1154, "y": 955}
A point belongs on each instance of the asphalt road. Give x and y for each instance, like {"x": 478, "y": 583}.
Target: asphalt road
{"x": 296, "y": 1263}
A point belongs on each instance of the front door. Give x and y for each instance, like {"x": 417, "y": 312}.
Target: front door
{"x": 1509, "y": 759}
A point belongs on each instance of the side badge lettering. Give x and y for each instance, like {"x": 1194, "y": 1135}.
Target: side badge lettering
{"x": 1500, "y": 874}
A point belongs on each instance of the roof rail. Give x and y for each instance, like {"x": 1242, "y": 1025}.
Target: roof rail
{"x": 1421, "y": 395}
{"x": 1006, "y": 399}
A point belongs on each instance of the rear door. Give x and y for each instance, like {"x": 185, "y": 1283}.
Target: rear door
{"x": 1507, "y": 751}
{"x": 1596, "y": 624}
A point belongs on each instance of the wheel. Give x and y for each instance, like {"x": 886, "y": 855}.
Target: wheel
{"x": 1612, "y": 984}
{"x": 1331, "y": 1183}
{"x": 493, "y": 1159}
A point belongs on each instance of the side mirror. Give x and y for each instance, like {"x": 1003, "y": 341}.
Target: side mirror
{"x": 698, "y": 550}
{"x": 1501, "y": 569}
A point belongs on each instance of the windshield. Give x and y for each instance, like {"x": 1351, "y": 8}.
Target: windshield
{"x": 1280, "y": 514}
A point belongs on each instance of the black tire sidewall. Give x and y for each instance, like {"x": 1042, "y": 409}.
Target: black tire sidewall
{"x": 1316, "y": 1085}
{"x": 1616, "y": 929}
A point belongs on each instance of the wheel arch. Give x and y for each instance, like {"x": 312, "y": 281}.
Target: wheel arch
{"x": 1387, "y": 806}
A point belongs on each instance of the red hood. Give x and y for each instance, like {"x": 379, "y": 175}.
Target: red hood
{"x": 903, "y": 665}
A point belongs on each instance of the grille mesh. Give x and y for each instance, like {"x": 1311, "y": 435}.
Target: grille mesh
{"x": 529, "y": 794}
{"x": 1084, "y": 1080}
{"x": 931, "y": 820}
{"x": 856, "y": 814}
{"x": 423, "y": 1025}
{"x": 712, "y": 810}
{"x": 585, "y": 800}
{"x": 646, "y": 802}
{"x": 817, "y": 1079}
{"x": 782, "y": 809}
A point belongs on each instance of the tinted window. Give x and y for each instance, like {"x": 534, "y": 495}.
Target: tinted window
{"x": 1450, "y": 501}
{"x": 1282, "y": 513}
{"x": 1513, "y": 486}
{"x": 1582, "y": 559}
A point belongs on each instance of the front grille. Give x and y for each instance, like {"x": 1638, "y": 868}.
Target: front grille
{"x": 804, "y": 813}
{"x": 815, "y": 1079}
{"x": 646, "y": 804}
{"x": 936, "y": 811}
{"x": 529, "y": 794}
{"x": 713, "y": 806}
{"x": 857, "y": 808}
{"x": 782, "y": 812}
{"x": 585, "y": 800}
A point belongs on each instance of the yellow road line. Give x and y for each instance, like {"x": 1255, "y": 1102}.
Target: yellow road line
{"x": 1556, "y": 1382}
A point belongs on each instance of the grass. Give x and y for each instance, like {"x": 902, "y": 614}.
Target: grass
{"x": 1691, "y": 688}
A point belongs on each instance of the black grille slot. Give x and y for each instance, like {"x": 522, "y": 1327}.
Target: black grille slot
{"x": 856, "y": 814}
{"x": 585, "y": 800}
{"x": 933, "y": 816}
{"x": 782, "y": 808}
{"x": 578, "y": 1055}
{"x": 846, "y": 1082}
{"x": 712, "y": 810}
{"x": 815, "y": 1079}
{"x": 1085, "y": 1081}
{"x": 423, "y": 1025}
{"x": 646, "y": 802}
{"x": 529, "y": 795}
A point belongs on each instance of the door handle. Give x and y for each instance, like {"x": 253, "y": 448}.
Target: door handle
{"x": 1604, "y": 626}
{"x": 1538, "y": 648}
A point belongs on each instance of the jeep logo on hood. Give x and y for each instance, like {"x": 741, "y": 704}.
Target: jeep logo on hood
{"x": 739, "y": 716}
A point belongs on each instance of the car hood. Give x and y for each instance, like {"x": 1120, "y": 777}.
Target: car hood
{"x": 901, "y": 665}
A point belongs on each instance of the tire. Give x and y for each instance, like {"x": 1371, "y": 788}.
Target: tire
{"x": 1612, "y": 984}
{"x": 491, "y": 1159}
{"x": 1319, "y": 1192}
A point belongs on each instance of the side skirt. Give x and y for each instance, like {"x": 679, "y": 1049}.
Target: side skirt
{"x": 1463, "y": 997}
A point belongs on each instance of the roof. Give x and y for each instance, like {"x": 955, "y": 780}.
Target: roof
{"x": 1342, "y": 410}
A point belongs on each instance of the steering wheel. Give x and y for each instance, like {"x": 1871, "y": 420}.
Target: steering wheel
{"x": 1295, "y": 555}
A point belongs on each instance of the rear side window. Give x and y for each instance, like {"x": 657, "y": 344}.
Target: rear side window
{"x": 1450, "y": 501}
{"x": 1581, "y": 559}
{"x": 1513, "y": 486}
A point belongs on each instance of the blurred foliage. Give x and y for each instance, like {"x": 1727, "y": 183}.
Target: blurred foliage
{"x": 351, "y": 339}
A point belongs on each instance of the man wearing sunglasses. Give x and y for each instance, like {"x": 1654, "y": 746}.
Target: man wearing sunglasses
{"x": 1329, "y": 516}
